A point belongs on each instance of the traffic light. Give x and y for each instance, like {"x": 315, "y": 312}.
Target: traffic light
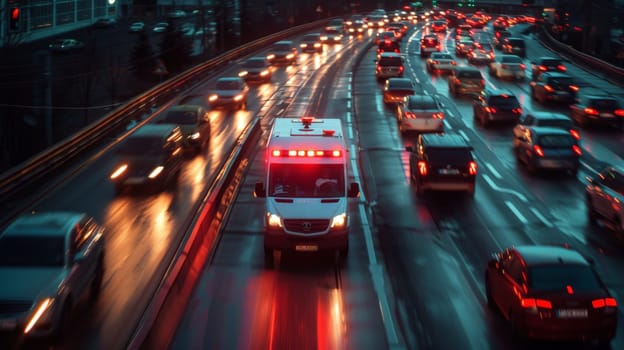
{"x": 14, "y": 19}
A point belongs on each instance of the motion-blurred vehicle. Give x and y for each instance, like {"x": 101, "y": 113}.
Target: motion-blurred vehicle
{"x": 496, "y": 105}
{"x": 442, "y": 162}
{"x": 514, "y": 46}
{"x": 549, "y": 119}
{"x": 389, "y": 64}
{"x": 66, "y": 45}
{"x": 440, "y": 62}
{"x": 507, "y": 66}
{"x": 462, "y": 30}
{"x": 229, "y": 92}
{"x": 383, "y": 36}
{"x": 481, "y": 54}
{"x": 604, "y": 195}
{"x": 547, "y": 148}
{"x": 395, "y": 90}
{"x": 194, "y": 123}
{"x": 553, "y": 87}
{"x": 595, "y": 107}
{"x": 465, "y": 80}
{"x": 136, "y": 27}
{"x": 546, "y": 64}
{"x": 283, "y": 52}
{"x": 256, "y": 69}
{"x": 429, "y": 43}
{"x": 50, "y": 263}
{"x": 388, "y": 45}
{"x": 464, "y": 47}
{"x": 550, "y": 293}
{"x": 150, "y": 158}
{"x": 160, "y": 27}
{"x": 438, "y": 26}
{"x": 311, "y": 42}
{"x": 420, "y": 113}
{"x": 331, "y": 35}
{"x": 358, "y": 27}
{"x": 499, "y": 36}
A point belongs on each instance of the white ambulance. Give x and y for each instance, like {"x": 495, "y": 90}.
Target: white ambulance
{"x": 306, "y": 187}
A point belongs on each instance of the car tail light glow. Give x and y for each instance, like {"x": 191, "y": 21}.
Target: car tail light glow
{"x": 538, "y": 150}
{"x": 482, "y": 82}
{"x": 472, "y": 168}
{"x": 400, "y": 68}
{"x": 562, "y": 68}
{"x": 543, "y": 68}
{"x": 422, "y": 168}
{"x": 548, "y": 88}
{"x": 604, "y": 302}
{"x": 306, "y": 153}
{"x": 516, "y": 110}
{"x": 619, "y": 112}
{"x": 530, "y": 303}
{"x": 439, "y": 115}
{"x": 590, "y": 111}
{"x": 522, "y": 65}
{"x": 577, "y": 150}
{"x": 490, "y": 109}
{"x": 410, "y": 115}
{"x": 574, "y": 88}
{"x": 575, "y": 134}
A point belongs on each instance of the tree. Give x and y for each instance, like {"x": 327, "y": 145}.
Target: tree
{"x": 142, "y": 57}
{"x": 176, "y": 50}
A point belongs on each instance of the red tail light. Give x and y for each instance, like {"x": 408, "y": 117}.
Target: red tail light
{"x": 605, "y": 302}
{"x": 531, "y": 303}
{"x": 577, "y": 150}
{"x": 619, "y": 112}
{"x": 517, "y": 111}
{"x": 574, "y": 88}
{"x": 522, "y": 65}
{"x": 503, "y": 65}
{"x": 410, "y": 115}
{"x": 538, "y": 150}
{"x": 422, "y": 167}
{"x": 435, "y": 62}
{"x": 548, "y": 88}
{"x": 490, "y": 109}
{"x": 590, "y": 111}
{"x": 575, "y": 134}
{"x": 457, "y": 81}
{"x": 401, "y": 69}
{"x": 439, "y": 115}
{"x": 561, "y": 67}
{"x": 543, "y": 68}
{"x": 482, "y": 82}
{"x": 453, "y": 63}
{"x": 472, "y": 168}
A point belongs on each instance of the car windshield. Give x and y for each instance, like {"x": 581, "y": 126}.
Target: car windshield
{"x": 306, "y": 180}
{"x": 32, "y": 251}
{"x": 504, "y": 101}
{"x": 443, "y": 56}
{"x": 421, "y": 103}
{"x": 391, "y": 62}
{"x": 227, "y": 85}
{"x": 281, "y": 47}
{"x": 559, "y": 82}
{"x": 557, "y": 123}
{"x": 138, "y": 146}
{"x": 605, "y": 103}
{"x": 558, "y": 277}
{"x": 255, "y": 64}
{"x": 556, "y": 140}
{"x": 551, "y": 62}
{"x": 400, "y": 84}
{"x": 469, "y": 74}
{"x": 511, "y": 59}
{"x": 449, "y": 155}
{"x": 516, "y": 42}
{"x": 181, "y": 117}
{"x": 331, "y": 31}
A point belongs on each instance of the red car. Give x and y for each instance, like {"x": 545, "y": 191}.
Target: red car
{"x": 550, "y": 293}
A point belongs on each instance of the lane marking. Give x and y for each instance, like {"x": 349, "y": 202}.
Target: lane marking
{"x": 493, "y": 171}
{"x": 516, "y": 212}
{"x": 504, "y": 190}
{"x": 541, "y": 217}
{"x": 463, "y": 134}
{"x": 447, "y": 125}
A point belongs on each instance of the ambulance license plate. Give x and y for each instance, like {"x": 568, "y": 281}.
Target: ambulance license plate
{"x": 306, "y": 248}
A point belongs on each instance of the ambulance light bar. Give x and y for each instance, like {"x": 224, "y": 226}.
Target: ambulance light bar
{"x": 306, "y": 153}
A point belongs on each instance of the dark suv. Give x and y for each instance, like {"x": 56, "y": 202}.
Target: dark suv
{"x": 597, "y": 107}
{"x": 553, "y": 87}
{"x": 465, "y": 80}
{"x": 514, "y": 46}
{"x": 493, "y": 105}
{"x": 442, "y": 162}
{"x": 604, "y": 194}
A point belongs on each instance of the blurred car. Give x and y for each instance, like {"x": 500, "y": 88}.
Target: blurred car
{"x": 500, "y": 24}
{"x": 440, "y": 62}
{"x": 429, "y": 43}
{"x": 136, "y": 27}
{"x": 256, "y": 68}
{"x": 388, "y": 45}
{"x": 384, "y": 36}
{"x": 283, "y": 52}
{"x": 66, "y": 45}
{"x": 375, "y": 21}
{"x": 397, "y": 28}
{"x": 106, "y": 22}
{"x": 549, "y": 119}
{"x": 550, "y": 293}
{"x": 395, "y": 90}
{"x": 50, "y": 263}
{"x": 331, "y": 35}
{"x": 595, "y": 107}
{"x": 546, "y": 64}
{"x": 464, "y": 47}
{"x": 389, "y": 64}
{"x": 604, "y": 195}
{"x": 160, "y": 27}
{"x": 150, "y": 158}
{"x": 438, "y": 26}
{"x": 462, "y": 30}
{"x": 358, "y": 27}
{"x": 465, "y": 80}
{"x": 420, "y": 113}
{"x": 229, "y": 92}
{"x": 507, "y": 66}
{"x": 194, "y": 123}
{"x": 483, "y": 54}
{"x": 442, "y": 162}
{"x": 553, "y": 87}
{"x": 547, "y": 148}
{"x": 353, "y": 18}
{"x": 496, "y": 105}
{"x": 499, "y": 36}
{"x": 514, "y": 46}
{"x": 311, "y": 42}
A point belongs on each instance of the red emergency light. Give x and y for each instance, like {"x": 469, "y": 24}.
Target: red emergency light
{"x": 306, "y": 153}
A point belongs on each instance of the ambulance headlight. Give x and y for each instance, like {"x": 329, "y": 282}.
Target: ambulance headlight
{"x": 339, "y": 221}
{"x": 274, "y": 221}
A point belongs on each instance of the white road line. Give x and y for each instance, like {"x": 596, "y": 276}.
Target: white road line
{"x": 516, "y": 212}
{"x": 463, "y": 134}
{"x": 504, "y": 190}
{"x": 349, "y": 104}
{"x": 447, "y": 125}
{"x": 348, "y": 120}
{"x": 493, "y": 171}
{"x": 541, "y": 217}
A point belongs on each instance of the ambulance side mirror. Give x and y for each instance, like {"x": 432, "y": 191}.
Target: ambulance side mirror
{"x": 354, "y": 189}
{"x": 259, "y": 191}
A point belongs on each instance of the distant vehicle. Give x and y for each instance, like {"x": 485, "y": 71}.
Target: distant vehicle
{"x": 50, "y": 263}
{"x": 547, "y": 148}
{"x": 514, "y": 46}
{"x": 597, "y": 108}
{"x": 546, "y": 64}
{"x": 553, "y": 87}
{"x": 331, "y": 35}
{"x": 496, "y": 105}
{"x": 311, "y": 42}
{"x": 438, "y": 26}
{"x": 507, "y": 66}
{"x": 539, "y": 289}
{"x": 388, "y": 45}
{"x": 137, "y": 27}
{"x": 440, "y": 62}
{"x": 358, "y": 27}
{"x": 483, "y": 54}
{"x": 429, "y": 43}
{"x": 229, "y": 92}
{"x": 420, "y": 113}
{"x": 464, "y": 47}
{"x": 384, "y": 36}
{"x": 283, "y": 52}
{"x": 549, "y": 119}
{"x": 194, "y": 123}
{"x": 499, "y": 36}
{"x": 66, "y": 45}
{"x": 604, "y": 195}
{"x": 465, "y": 80}
{"x": 395, "y": 90}
{"x": 161, "y": 27}
{"x": 106, "y": 22}
{"x": 256, "y": 69}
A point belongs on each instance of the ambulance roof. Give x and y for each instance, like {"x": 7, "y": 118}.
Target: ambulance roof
{"x": 319, "y": 134}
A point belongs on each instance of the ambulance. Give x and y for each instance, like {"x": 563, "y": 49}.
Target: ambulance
{"x": 306, "y": 187}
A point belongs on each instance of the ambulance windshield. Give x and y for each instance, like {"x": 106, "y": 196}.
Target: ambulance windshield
{"x": 306, "y": 180}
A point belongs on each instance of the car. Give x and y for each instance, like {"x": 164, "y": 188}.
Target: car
{"x": 331, "y": 35}
{"x": 51, "y": 262}
{"x": 547, "y": 148}
{"x": 283, "y": 52}
{"x": 388, "y": 45}
{"x": 358, "y": 27}
{"x": 464, "y": 47}
{"x": 550, "y": 119}
{"x": 507, "y": 66}
{"x": 481, "y": 54}
{"x": 375, "y": 20}
{"x": 136, "y": 27}
{"x": 462, "y": 30}
{"x": 66, "y": 45}
{"x": 256, "y": 68}
{"x": 465, "y": 80}
{"x": 336, "y": 23}
{"x": 420, "y": 113}
{"x": 105, "y": 22}
{"x": 440, "y": 62}
{"x": 353, "y": 18}
{"x": 429, "y": 43}
{"x": 442, "y": 162}
{"x": 499, "y": 24}
{"x": 194, "y": 123}
{"x": 499, "y": 36}
{"x": 397, "y": 28}
{"x": 553, "y": 87}
{"x": 604, "y": 195}
{"x": 229, "y": 92}
{"x": 395, "y": 90}
{"x": 546, "y": 64}
{"x": 384, "y": 36}
{"x": 595, "y": 107}
{"x": 388, "y": 65}
{"x": 496, "y": 105}
{"x": 311, "y": 42}
{"x": 514, "y": 46}
{"x": 438, "y": 26}
{"x": 149, "y": 159}
{"x": 550, "y": 293}
{"x": 160, "y": 27}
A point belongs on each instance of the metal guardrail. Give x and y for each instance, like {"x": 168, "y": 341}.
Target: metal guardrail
{"x": 41, "y": 166}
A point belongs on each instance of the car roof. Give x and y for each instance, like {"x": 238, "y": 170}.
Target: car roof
{"x": 157, "y": 130}
{"x": 389, "y": 55}
{"x": 545, "y": 255}
{"x": 548, "y": 58}
{"x": 495, "y": 91}
{"x": 467, "y": 68}
{"x": 548, "y": 115}
{"x": 54, "y": 223}
{"x": 399, "y": 81}
{"x": 514, "y": 39}
{"x": 444, "y": 140}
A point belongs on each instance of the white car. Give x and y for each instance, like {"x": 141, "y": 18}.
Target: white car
{"x": 440, "y": 61}
{"x": 508, "y": 66}
{"x": 229, "y": 92}
{"x": 422, "y": 113}
{"x": 137, "y": 27}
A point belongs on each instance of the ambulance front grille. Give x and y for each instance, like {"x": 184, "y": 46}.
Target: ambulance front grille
{"x": 306, "y": 225}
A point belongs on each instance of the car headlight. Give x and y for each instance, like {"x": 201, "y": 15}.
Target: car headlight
{"x": 323, "y": 38}
{"x": 274, "y": 221}
{"x": 120, "y": 170}
{"x": 156, "y": 171}
{"x": 290, "y": 56}
{"x": 243, "y": 73}
{"x": 317, "y": 45}
{"x": 264, "y": 73}
{"x": 194, "y": 136}
{"x": 238, "y": 98}
{"x": 339, "y": 221}
{"x": 304, "y": 45}
{"x": 213, "y": 98}
{"x": 270, "y": 57}
{"x": 40, "y": 314}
